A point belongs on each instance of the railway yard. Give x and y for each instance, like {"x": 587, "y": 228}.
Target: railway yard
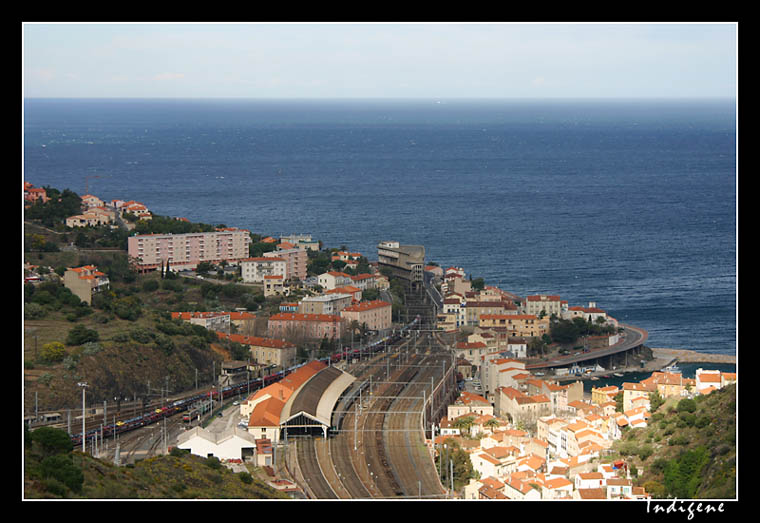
{"x": 376, "y": 448}
{"x": 378, "y": 451}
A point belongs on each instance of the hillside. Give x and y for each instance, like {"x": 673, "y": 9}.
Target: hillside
{"x": 689, "y": 448}
{"x": 53, "y": 470}
{"x": 127, "y": 345}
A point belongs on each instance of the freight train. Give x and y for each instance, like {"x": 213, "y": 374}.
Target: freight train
{"x": 189, "y": 403}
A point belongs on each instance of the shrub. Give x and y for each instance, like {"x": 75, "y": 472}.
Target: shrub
{"x": 213, "y": 462}
{"x": 246, "y": 478}
{"x": 80, "y": 335}
{"x": 150, "y": 285}
{"x": 34, "y": 311}
{"x": 127, "y": 308}
{"x": 62, "y": 469}
{"x": 172, "y": 285}
{"x": 91, "y": 347}
{"x": 686, "y": 405}
{"x": 165, "y": 343}
{"x": 141, "y": 335}
{"x": 645, "y": 451}
{"x": 680, "y": 439}
{"x": 686, "y": 419}
{"x": 52, "y": 352}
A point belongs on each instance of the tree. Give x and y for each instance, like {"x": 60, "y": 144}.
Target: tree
{"x": 463, "y": 423}
{"x": 52, "y": 441}
{"x": 565, "y": 331}
{"x": 686, "y": 405}
{"x": 460, "y": 463}
{"x": 492, "y": 423}
{"x": 683, "y": 474}
{"x": 655, "y": 400}
{"x": 203, "y": 267}
{"x": 619, "y": 402}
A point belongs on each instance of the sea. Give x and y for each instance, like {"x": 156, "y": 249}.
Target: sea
{"x": 627, "y": 203}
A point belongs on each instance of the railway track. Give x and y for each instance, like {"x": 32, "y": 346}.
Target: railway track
{"x": 316, "y": 483}
{"x": 375, "y": 449}
{"x": 403, "y": 437}
{"x": 379, "y": 449}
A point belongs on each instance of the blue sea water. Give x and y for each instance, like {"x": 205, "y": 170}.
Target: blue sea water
{"x": 627, "y": 203}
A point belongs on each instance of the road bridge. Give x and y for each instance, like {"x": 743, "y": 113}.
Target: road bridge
{"x": 633, "y": 340}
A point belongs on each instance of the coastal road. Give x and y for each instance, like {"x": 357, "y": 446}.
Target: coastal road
{"x": 634, "y": 337}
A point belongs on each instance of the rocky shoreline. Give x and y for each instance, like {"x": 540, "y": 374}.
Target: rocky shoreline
{"x": 691, "y": 356}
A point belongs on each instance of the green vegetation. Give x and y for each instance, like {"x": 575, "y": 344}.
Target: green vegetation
{"x": 453, "y": 456}
{"x": 568, "y": 331}
{"x": 688, "y": 449}
{"x": 54, "y": 470}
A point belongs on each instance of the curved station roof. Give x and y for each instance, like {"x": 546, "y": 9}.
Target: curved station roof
{"x": 312, "y": 404}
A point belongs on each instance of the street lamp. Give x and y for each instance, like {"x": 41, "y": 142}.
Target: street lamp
{"x": 83, "y": 384}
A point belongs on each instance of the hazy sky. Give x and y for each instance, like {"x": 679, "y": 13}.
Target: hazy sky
{"x": 358, "y": 60}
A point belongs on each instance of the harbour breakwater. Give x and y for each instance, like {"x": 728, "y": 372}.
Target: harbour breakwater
{"x": 692, "y": 356}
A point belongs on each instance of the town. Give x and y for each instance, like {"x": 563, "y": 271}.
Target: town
{"x": 520, "y": 414}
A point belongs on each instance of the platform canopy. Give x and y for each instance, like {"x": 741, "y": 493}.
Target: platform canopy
{"x": 312, "y": 405}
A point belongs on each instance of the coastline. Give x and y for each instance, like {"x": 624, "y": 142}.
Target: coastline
{"x": 662, "y": 358}
{"x": 692, "y": 356}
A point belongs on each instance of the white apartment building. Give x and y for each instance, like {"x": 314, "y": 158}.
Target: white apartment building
{"x": 332, "y": 279}
{"x": 253, "y": 270}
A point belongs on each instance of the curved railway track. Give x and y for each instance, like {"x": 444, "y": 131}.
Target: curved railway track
{"x": 379, "y": 449}
{"x": 310, "y": 468}
{"x": 375, "y": 449}
{"x": 404, "y": 440}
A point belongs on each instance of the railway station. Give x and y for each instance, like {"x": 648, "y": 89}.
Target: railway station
{"x": 309, "y": 410}
{"x": 300, "y": 404}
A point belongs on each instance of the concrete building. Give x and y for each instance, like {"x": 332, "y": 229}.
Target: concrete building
{"x": 295, "y": 261}
{"x": 332, "y": 279}
{"x": 376, "y": 314}
{"x": 275, "y": 286}
{"x": 186, "y": 251}
{"x": 253, "y": 270}
{"x": 213, "y": 321}
{"x": 404, "y": 261}
{"x": 234, "y": 443}
{"x": 290, "y": 325}
{"x": 301, "y": 402}
{"x": 541, "y": 304}
{"x": 522, "y": 325}
{"x": 302, "y": 241}
{"x": 332, "y": 303}
{"x": 85, "y": 281}
{"x": 265, "y": 351}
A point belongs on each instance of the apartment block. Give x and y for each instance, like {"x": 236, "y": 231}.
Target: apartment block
{"x": 295, "y": 262}
{"x": 376, "y": 314}
{"x": 332, "y": 303}
{"x": 186, "y": 251}
{"x": 253, "y": 270}
{"x": 545, "y": 304}
{"x": 309, "y": 326}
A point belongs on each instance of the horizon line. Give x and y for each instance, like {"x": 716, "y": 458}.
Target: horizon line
{"x": 385, "y": 98}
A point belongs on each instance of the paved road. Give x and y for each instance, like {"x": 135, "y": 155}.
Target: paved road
{"x": 634, "y": 336}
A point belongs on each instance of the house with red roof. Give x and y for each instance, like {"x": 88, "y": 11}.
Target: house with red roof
{"x": 375, "y": 314}
{"x": 85, "y": 281}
